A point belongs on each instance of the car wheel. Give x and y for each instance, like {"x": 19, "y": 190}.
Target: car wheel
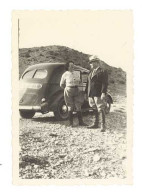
{"x": 27, "y": 114}
{"x": 62, "y": 111}
{"x": 108, "y": 105}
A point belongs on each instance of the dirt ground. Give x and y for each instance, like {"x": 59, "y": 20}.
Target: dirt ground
{"x": 51, "y": 149}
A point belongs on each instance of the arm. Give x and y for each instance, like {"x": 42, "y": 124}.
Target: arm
{"x": 104, "y": 82}
{"x": 86, "y": 88}
{"x": 63, "y": 81}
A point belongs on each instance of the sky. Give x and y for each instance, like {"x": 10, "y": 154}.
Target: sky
{"x": 107, "y": 34}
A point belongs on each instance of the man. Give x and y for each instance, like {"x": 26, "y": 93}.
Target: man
{"x": 96, "y": 89}
{"x": 73, "y": 98}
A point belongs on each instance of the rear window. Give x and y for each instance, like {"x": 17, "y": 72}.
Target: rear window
{"x": 37, "y": 74}
{"x": 29, "y": 74}
{"x": 40, "y": 74}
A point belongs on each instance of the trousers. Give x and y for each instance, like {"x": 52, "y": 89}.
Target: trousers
{"x": 97, "y": 103}
{"x": 73, "y": 98}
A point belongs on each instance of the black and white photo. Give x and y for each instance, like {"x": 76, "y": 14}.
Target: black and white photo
{"x": 72, "y": 106}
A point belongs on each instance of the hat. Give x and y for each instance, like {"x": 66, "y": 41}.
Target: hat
{"x": 93, "y": 59}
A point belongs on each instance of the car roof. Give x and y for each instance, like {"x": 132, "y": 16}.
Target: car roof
{"x": 54, "y": 65}
{"x": 45, "y": 65}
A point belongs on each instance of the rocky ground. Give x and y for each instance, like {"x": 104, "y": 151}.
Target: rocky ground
{"x": 51, "y": 149}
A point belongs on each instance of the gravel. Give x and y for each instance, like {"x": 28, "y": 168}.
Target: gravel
{"x": 52, "y": 149}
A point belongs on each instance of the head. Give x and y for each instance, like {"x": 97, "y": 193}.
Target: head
{"x": 94, "y": 62}
{"x": 69, "y": 66}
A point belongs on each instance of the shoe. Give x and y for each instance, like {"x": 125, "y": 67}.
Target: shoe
{"x": 81, "y": 123}
{"x": 96, "y": 123}
{"x": 94, "y": 126}
{"x": 103, "y": 127}
{"x": 70, "y": 119}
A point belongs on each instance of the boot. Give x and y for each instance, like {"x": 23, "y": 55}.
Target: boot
{"x": 103, "y": 127}
{"x": 95, "y": 125}
{"x": 81, "y": 123}
{"x": 71, "y": 118}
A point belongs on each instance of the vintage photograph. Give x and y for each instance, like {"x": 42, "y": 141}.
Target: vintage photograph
{"x": 72, "y": 96}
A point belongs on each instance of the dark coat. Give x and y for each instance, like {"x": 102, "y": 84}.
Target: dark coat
{"x": 97, "y": 83}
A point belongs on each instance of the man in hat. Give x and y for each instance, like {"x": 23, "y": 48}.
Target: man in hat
{"x": 96, "y": 89}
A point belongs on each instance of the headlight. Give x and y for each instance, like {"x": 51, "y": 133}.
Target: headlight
{"x": 43, "y": 100}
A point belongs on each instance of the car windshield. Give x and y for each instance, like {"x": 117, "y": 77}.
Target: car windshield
{"x": 37, "y": 74}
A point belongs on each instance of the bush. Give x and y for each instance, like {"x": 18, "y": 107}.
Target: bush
{"x": 27, "y": 55}
{"x": 111, "y": 81}
{"x": 122, "y": 82}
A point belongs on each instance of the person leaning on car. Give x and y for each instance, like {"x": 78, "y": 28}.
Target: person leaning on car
{"x": 96, "y": 89}
{"x": 72, "y": 96}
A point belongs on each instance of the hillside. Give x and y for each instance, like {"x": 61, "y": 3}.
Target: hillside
{"x": 30, "y": 56}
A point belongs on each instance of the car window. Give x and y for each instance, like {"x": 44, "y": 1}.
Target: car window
{"x": 29, "y": 74}
{"x": 40, "y": 74}
{"x": 84, "y": 77}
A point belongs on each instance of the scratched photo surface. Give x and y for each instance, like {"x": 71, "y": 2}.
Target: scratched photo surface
{"x": 72, "y": 97}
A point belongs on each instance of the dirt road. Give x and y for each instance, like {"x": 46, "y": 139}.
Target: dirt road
{"x": 51, "y": 149}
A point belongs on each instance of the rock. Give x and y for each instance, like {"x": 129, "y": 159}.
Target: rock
{"x": 62, "y": 155}
{"x": 53, "y": 135}
{"x": 36, "y": 166}
{"x": 96, "y": 157}
{"x": 86, "y": 173}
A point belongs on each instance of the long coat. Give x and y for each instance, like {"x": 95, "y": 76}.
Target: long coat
{"x": 97, "y": 83}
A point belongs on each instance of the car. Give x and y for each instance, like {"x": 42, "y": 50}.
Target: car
{"x": 40, "y": 91}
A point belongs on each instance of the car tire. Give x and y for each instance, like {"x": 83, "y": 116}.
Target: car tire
{"x": 27, "y": 114}
{"x": 62, "y": 111}
{"x": 108, "y": 105}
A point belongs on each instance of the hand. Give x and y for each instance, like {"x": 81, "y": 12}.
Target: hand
{"x": 103, "y": 96}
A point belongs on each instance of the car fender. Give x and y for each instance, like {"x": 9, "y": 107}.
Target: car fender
{"x": 110, "y": 97}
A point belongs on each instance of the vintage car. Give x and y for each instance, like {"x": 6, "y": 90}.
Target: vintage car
{"x": 40, "y": 90}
